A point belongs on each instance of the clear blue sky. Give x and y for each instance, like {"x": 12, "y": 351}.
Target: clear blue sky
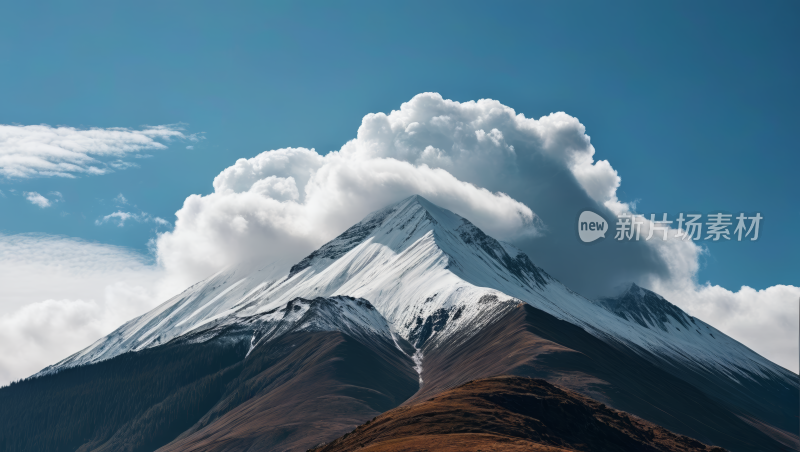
{"x": 694, "y": 103}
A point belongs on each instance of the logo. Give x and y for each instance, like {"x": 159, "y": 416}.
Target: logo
{"x": 591, "y": 226}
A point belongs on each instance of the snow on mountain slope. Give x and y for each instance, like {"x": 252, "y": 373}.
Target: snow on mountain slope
{"x": 432, "y": 275}
{"x": 646, "y": 308}
{"x": 653, "y": 312}
{"x": 354, "y": 316}
{"x": 418, "y": 262}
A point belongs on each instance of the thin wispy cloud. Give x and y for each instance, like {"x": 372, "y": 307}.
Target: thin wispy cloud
{"x": 119, "y": 218}
{"x": 122, "y": 164}
{"x": 121, "y": 199}
{"x": 36, "y": 199}
{"x": 45, "y": 151}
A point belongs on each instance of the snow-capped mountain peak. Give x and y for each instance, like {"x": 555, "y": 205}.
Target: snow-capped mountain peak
{"x": 413, "y": 218}
{"x": 431, "y": 275}
{"x": 416, "y": 262}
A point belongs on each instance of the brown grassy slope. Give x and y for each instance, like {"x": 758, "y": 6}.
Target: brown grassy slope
{"x": 511, "y": 414}
{"x": 528, "y": 342}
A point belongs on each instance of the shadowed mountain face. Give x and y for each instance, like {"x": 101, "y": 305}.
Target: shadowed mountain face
{"x": 511, "y": 414}
{"x": 134, "y": 402}
{"x": 300, "y": 391}
{"x": 646, "y": 308}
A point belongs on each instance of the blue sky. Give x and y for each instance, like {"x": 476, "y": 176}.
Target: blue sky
{"x": 695, "y": 105}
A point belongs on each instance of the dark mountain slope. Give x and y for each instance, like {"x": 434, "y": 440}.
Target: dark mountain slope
{"x": 153, "y": 396}
{"x": 511, "y": 414}
{"x": 529, "y": 342}
{"x": 301, "y": 390}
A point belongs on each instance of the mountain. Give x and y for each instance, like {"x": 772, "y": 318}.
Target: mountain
{"x": 511, "y": 414}
{"x": 428, "y": 292}
{"x": 417, "y": 263}
{"x": 316, "y": 369}
{"x": 431, "y": 274}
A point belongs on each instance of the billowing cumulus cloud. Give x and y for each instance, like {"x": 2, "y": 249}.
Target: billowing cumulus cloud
{"x": 42, "y": 150}
{"x": 520, "y": 179}
{"x": 279, "y": 206}
{"x": 60, "y": 295}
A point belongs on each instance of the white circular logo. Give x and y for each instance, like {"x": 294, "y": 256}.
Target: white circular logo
{"x": 591, "y": 226}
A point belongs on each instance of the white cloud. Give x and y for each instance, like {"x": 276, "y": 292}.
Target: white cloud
{"x": 42, "y": 150}
{"x": 479, "y": 159}
{"x": 120, "y": 199}
{"x": 257, "y": 210}
{"x": 57, "y": 196}
{"x": 122, "y": 164}
{"x": 764, "y": 320}
{"x": 60, "y": 295}
{"x": 518, "y": 178}
{"x": 119, "y": 217}
{"x": 37, "y": 199}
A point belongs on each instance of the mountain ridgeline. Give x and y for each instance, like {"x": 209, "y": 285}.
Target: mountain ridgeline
{"x": 410, "y": 302}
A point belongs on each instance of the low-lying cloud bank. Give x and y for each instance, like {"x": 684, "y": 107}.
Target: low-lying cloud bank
{"x": 520, "y": 179}
{"x": 61, "y": 294}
